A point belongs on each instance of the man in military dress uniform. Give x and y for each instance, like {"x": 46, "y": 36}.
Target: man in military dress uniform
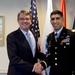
{"x": 61, "y": 46}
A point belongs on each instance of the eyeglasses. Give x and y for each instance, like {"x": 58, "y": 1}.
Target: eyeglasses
{"x": 57, "y": 18}
{"x": 23, "y": 19}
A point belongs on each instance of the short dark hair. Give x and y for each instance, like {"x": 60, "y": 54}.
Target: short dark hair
{"x": 57, "y": 12}
{"x": 25, "y": 12}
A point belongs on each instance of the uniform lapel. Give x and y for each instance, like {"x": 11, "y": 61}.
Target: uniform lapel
{"x": 62, "y": 34}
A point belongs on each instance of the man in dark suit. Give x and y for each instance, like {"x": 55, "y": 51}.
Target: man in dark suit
{"x": 22, "y": 56}
{"x": 61, "y": 46}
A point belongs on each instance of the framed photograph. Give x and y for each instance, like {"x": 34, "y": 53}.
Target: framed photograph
{"x": 1, "y": 30}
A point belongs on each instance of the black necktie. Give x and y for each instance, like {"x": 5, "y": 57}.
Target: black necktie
{"x": 55, "y": 34}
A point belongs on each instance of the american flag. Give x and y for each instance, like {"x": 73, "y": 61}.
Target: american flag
{"x": 35, "y": 25}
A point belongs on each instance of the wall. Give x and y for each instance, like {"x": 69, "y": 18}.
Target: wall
{"x": 3, "y": 74}
{"x": 10, "y": 8}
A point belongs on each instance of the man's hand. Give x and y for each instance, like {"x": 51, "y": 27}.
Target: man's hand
{"x": 38, "y": 68}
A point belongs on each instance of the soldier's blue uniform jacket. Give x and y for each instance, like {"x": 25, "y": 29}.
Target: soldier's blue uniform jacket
{"x": 61, "y": 50}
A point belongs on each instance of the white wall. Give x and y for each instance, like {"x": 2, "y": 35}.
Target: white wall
{"x": 10, "y": 8}
{"x": 3, "y": 74}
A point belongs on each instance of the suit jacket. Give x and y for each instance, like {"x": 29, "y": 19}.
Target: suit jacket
{"x": 21, "y": 60}
{"x": 61, "y": 50}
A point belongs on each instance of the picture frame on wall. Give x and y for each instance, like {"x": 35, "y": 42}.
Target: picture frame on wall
{"x": 1, "y": 30}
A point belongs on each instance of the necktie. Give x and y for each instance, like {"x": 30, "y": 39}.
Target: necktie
{"x": 30, "y": 43}
{"x": 55, "y": 34}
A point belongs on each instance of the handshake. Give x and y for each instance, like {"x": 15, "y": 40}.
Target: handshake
{"x": 38, "y": 68}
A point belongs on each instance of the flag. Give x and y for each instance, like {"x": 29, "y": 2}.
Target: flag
{"x": 74, "y": 23}
{"x": 63, "y": 9}
{"x": 35, "y": 24}
{"x": 48, "y": 27}
{"x": 47, "y": 30}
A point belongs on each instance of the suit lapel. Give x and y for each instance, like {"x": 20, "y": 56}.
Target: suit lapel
{"x": 23, "y": 40}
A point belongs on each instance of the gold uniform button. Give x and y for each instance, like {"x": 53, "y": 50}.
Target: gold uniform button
{"x": 55, "y": 64}
{"x": 72, "y": 71}
{"x": 56, "y": 40}
{"x": 55, "y": 58}
{"x": 55, "y": 47}
{"x": 64, "y": 46}
{"x": 55, "y": 52}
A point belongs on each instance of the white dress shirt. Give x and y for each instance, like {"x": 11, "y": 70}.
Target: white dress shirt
{"x": 32, "y": 40}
